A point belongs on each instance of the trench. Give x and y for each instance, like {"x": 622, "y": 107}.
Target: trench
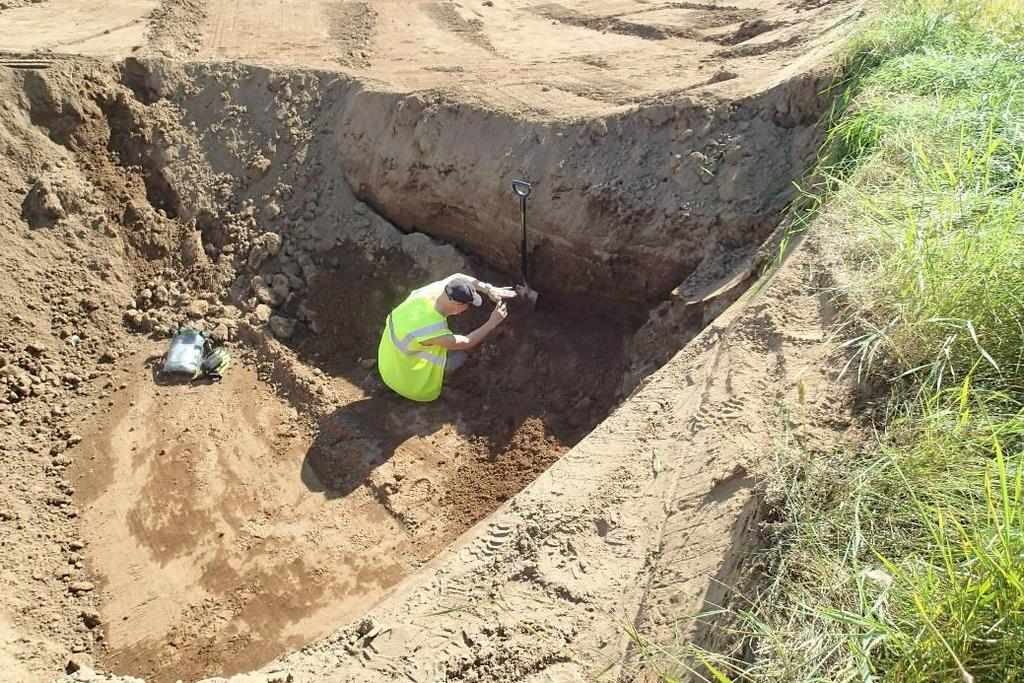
{"x": 273, "y": 535}
{"x": 288, "y": 212}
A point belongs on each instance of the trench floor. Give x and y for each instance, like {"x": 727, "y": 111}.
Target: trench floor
{"x": 225, "y": 530}
{"x": 216, "y": 547}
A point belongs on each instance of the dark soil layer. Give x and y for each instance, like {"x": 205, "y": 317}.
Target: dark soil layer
{"x": 535, "y": 387}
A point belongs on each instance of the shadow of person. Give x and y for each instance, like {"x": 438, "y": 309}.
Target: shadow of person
{"x": 362, "y": 435}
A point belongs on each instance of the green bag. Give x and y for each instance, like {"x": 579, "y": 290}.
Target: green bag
{"x": 216, "y": 363}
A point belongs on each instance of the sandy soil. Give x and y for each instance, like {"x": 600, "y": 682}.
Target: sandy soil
{"x": 579, "y": 57}
{"x": 97, "y": 29}
{"x": 213, "y": 541}
{"x": 228, "y": 523}
{"x": 628, "y": 204}
{"x": 502, "y": 533}
{"x": 576, "y": 57}
{"x": 651, "y": 517}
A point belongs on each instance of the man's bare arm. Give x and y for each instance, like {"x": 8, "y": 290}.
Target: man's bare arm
{"x": 485, "y": 288}
{"x": 460, "y": 342}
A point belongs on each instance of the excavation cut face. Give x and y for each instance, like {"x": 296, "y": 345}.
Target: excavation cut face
{"x": 229, "y": 523}
{"x": 233, "y": 522}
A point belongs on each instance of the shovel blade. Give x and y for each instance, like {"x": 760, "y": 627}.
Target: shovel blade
{"x": 527, "y": 296}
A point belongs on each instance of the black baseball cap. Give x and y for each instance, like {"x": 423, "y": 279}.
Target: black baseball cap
{"x": 462, "y": 291}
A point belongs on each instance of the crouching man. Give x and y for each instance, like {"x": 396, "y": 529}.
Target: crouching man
{"x": 417, "y": 349}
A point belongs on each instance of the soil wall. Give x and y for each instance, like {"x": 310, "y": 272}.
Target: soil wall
{"x": 624, "y": 551}
{"x": 188, "y": 496}
{"x": 625, "y": 207}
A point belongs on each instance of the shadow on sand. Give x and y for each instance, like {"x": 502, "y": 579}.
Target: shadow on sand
{"x": 362, "y": 435}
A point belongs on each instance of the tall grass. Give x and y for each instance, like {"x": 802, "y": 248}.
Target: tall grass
{"x": 928, "y": 189}
{"x": 904, "y": 560}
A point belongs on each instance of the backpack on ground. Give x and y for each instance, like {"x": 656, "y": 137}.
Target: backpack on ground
{"x": 190, "y": 357}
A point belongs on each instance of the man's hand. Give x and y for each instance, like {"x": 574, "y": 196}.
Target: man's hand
{"x": 498, "y": 293}
{"x": 499, "y": 314}
{"x": 458, "y": 342}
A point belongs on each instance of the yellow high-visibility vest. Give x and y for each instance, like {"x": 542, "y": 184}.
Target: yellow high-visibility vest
{"x": 411, "y": 369}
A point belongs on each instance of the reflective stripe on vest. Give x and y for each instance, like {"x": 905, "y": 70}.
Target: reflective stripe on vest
{"x": 403, "y": 343}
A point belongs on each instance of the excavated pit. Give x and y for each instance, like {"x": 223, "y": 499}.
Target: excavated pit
{"x": 245, "y": 539}
{"x": 230, "y": 527}
{"x": 230, "y": 523}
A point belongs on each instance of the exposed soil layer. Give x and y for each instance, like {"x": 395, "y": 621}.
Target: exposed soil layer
{"x": 227, "y": 523}
{"x": 542, "y": 366}
{"x": 511, "y": 411}
{"x": 210, "y": 547}
{"x": 695, "y": 156}
{"x": 650, "y": 520}
{"x": 177, "y": 531}
{"x": 223, "y": 533}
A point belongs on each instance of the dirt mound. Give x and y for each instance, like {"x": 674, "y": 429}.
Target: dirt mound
{"x": 60, "y": 331}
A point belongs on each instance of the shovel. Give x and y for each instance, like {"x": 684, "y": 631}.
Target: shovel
{"x": 522, "y": 190}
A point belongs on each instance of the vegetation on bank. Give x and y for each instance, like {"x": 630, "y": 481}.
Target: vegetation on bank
{"x": 904, "y": 560}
